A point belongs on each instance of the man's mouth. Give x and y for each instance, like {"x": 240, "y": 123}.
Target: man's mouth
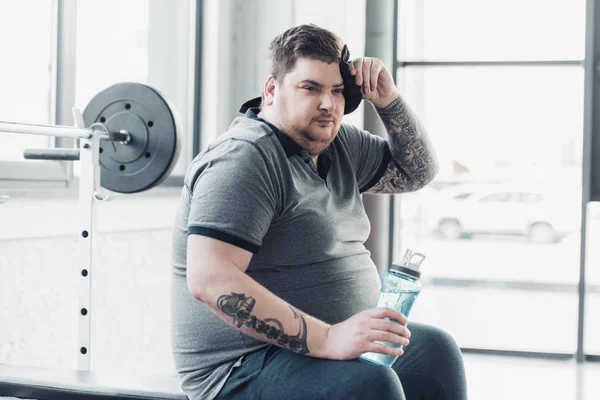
{"x": 325, "y": 121}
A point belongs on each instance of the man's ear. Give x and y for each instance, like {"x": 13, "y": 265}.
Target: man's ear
{"x": 269, "y": 90}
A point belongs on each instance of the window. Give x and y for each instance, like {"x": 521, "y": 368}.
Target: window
{"x": 592, "y": 303}
{"x": 462, "y": 196}
{"x": 26, "y": 77}
{"x": 496, "y": 198}
{"x": 471, "y": 30}
{"x": 499, "y": 87}
{"x": 530, "y": 198}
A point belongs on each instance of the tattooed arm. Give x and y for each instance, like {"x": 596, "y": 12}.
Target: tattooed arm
{"x": 414, "y": 163}
{"x": 216, "y": 276}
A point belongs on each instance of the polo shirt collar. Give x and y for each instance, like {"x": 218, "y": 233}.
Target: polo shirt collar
{"x": 251, "y": 109}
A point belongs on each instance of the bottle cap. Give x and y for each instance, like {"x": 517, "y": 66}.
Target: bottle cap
{"x": 408, "y": 265}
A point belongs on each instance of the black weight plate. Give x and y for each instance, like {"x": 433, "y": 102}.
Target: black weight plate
{"x": 149, "y": 157}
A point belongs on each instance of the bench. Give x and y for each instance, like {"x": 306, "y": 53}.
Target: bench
{"x": 49, "y": 384}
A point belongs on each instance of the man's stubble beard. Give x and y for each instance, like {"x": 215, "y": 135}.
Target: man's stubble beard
{"x": 314, "y": 142}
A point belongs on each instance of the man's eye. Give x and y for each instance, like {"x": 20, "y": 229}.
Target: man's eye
{"x": 311, "y": 88}
{"x": 338, "y": 90}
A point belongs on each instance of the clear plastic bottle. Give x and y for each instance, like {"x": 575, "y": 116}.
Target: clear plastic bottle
{"x": 400, "y": 287}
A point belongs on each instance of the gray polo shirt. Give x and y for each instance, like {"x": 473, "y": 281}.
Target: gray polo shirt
{"x": 306, "y": 225}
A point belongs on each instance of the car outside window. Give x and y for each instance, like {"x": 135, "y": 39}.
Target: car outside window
{"x": 496, "y": 198}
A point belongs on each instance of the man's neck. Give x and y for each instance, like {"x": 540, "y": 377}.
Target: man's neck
{"x": 263, "y": 115}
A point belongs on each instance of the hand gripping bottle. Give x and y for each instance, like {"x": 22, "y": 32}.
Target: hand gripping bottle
{"x": 400, "y": 287}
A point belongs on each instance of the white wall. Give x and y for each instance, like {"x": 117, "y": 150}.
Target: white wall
{"x": 39, "y": 270}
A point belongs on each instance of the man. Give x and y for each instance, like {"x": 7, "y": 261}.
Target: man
{"x": 273, "y": 290}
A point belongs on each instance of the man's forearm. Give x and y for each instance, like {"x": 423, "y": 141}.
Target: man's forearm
{"x": 249, "y": 307}
{"x": 414, "y": 161}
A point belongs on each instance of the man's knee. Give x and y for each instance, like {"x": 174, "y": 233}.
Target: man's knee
{"x": 437, "y": 351}
{"x": 443, "y": 342}
{"x": 432, "y": 355}
{"x": 372, "y": 382}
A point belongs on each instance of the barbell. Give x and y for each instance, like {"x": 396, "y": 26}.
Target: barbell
{"x": 139, "y": 133}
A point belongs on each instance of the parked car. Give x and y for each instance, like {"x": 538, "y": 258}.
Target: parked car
{"x": 544, "y": 216}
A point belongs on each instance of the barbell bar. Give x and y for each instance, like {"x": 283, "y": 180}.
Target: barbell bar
{"x": 52, "y": 154}
{"x": 60, "y": 131}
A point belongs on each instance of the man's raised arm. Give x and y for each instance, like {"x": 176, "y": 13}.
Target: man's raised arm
{"x": 414, "y": 163}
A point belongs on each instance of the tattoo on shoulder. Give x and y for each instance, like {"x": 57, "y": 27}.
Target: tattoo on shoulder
{"x": 239, "y": 306}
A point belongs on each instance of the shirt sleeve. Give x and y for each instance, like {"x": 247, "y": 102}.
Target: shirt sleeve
{"x": 233, "y": 197}
{"x": 370, "y": 155}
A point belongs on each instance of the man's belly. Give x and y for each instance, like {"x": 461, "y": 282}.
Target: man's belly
{"x": 331, "y": 291}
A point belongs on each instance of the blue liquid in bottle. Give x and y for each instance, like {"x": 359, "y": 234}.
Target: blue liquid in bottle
{"x": 399, "y": 290}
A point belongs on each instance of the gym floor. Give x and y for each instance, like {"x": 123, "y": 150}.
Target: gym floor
{"x": 501, "y": 378}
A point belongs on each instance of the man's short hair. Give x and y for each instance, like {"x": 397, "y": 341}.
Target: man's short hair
{"x": 303, "y": 41}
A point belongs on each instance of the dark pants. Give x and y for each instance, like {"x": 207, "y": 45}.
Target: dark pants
{"x": 431, "y": 368}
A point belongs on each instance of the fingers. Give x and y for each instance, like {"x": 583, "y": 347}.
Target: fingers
{"x": 366, "y": 75}
{"x": 386, "y": 312}
{"x": 385, "y": 349}
{"x": 390, "y": 326}
{"x": 357, "y": 67}
{"x": 366, "y": 71}
{"x": 384, "y": 336}
{"x": 374, "y": 74}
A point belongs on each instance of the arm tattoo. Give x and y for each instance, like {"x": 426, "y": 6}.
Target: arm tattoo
{"x": 239, "y": 306}
{"x": 414, "y": 163}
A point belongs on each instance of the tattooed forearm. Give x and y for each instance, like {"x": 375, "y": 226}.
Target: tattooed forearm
{"x": 240, "y": 306}
{"x": 414, "y": 163}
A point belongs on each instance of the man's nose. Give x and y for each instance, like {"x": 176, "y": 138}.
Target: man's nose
{"x": 327, "y": 102}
